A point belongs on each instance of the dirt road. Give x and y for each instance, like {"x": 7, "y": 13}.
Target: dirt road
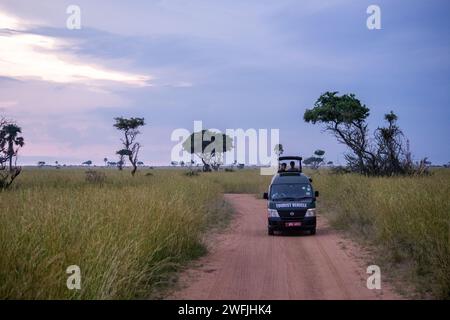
{"x": 246, "y": 263}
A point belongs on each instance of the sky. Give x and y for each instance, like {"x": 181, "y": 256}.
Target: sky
{"x": 230, "y": 64}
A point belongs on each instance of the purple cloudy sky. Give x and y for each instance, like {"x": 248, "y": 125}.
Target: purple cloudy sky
{"x": 232, "y": 64}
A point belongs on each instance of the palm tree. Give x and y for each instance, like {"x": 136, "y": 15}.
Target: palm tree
{"x": 11, "y": 137}
{"x": 279, "y": 150}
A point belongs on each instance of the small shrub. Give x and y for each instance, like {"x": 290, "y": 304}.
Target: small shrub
{"x": 93, "y": 176}
{"x": 340, "y": 170}
{"x": 191, "y": 173}
{"x": 7, "y": 176}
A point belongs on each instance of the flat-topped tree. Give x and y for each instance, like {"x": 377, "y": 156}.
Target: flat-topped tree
{"x": 316, "y": 160}
{"x": 345, "y": 117}
{"x": 130, "y": 129}
{"x": 209, "y": 146}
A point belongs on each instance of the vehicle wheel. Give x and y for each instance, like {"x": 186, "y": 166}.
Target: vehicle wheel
{"x": 312, "y": 231}
{"x": 270, "y": 231}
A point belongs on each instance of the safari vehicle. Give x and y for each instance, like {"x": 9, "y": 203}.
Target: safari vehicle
{"x": 291, "y": 198}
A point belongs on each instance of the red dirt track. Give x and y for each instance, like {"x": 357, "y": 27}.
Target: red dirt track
{"x": 246, "y": 263}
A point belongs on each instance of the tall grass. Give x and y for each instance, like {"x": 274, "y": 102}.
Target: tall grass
{"x": 406, "y": 218}
{"x": 240, "y": 181}
{"x": 126, "y": 234}
{"x": 129, "y": 234}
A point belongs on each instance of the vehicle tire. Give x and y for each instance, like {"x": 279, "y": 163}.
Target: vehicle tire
{"x": 270, "y": 231}
{"x": 312, "y": 231}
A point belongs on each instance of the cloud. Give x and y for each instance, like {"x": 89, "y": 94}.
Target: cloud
{"x": 9, "y": 22}
{"x": 230, "y": 63}
{"x": 31, "y": 56}
{"x": 7, "y": 104}
{"x": 63, "y": 136}
{"x": 26, "y": 98}
{"x": 50, "y": 148}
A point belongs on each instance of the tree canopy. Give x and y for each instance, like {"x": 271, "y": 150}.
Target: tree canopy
{"x": 345, "y": 117}
{"x": 279, "y": 149}
{"x": 316, "y": 160}
{"x": 130, "y": 129}
{"x": 209, "y": 146}
{"x": 125, "y": 124}
{"x": 331, "y": 108}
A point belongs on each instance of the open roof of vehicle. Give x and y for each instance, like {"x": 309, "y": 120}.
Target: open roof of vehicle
{"x": 289, "y": 158}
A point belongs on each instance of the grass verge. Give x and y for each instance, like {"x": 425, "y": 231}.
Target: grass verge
{"x": 406, "y": 220}
{"x": 126, "y": 234}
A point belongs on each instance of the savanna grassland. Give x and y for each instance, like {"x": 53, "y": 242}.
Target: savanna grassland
{"x": 126, "y": 234}
{"x": 405, "y": 219}
{"x": 129, "y": 235}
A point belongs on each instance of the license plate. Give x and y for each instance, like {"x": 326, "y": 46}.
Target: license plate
{"x": 293, "y": 224}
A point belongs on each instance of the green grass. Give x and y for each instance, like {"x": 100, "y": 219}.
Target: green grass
{"x": 405, "y": 218}
{"x": 240, "y": 181}
{"x": 129, "y": 235}
{"x": 126, "y": 235}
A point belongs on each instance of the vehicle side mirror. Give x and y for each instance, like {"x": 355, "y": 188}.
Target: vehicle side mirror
{"x": 266, "y": 196}
{"x": 316, "y": 194}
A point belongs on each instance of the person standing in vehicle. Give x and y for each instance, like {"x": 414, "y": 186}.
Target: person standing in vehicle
{"x": 283, "y": 167}
{"x": 292, "y": 166}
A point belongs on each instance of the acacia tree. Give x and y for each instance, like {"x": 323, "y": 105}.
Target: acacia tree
{"x": 10, "y": 143}
{"x": 316, "y": 160}
{"x": 345, "y": 117}
{"x": 209, "y": 146}
{"x": 122, "y": 154}
{"x": 130, "y": 129}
